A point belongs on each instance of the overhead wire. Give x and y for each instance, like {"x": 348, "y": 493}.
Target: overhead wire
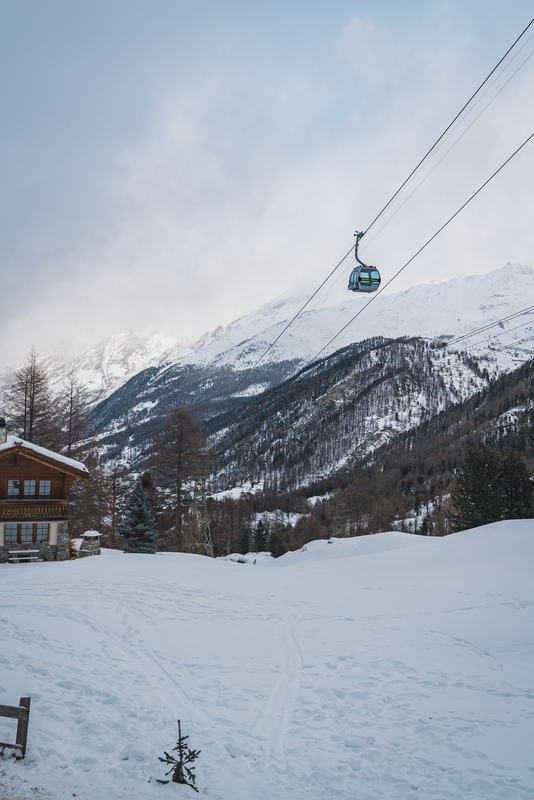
{"x": 450, "y": 130}
{"x": 514, "y": 344}
{"x": 502, "y": 333}
{"x": 458, "y": 139}
{"x": 458, "y": 115}
{"x": 483, "y": 328}
{"x": 291, "y": 321}
{"x": 401, "y": 187}
{"x": 453, "y": 145}
{"x": 445, "y": 224}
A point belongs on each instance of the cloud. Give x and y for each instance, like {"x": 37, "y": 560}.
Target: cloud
{"x": 184, "y": 189}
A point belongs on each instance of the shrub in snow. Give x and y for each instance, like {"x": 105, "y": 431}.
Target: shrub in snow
{"x": 181, "y": 773}
{"x": 138, "y": 528}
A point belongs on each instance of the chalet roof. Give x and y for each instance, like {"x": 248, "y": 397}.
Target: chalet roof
{"x": 70, "y": 465}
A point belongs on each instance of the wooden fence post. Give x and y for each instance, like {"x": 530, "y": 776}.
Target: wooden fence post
{"x": 22, "y": 714}
{"x": 22, "y": 726}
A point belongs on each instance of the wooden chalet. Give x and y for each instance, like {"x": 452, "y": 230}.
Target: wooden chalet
{"x": 34, "y": 489}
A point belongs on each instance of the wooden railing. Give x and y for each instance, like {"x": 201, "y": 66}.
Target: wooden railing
{"x": 33, "y": 509}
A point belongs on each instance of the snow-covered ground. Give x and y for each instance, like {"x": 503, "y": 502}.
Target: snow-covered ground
{"x": 388, "y": 666}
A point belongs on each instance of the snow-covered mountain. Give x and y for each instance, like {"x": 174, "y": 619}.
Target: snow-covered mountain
{"x": 340, "y": 410}
{"x": 135, "y": 379}
{"x": 434, "y": 310}
{"x": 205, "y": 375}
{"x": 105, "y": 367}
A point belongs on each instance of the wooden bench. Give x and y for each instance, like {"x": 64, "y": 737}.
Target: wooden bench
{"x": 22, "y": 714}
{"x": 16, "y": 556}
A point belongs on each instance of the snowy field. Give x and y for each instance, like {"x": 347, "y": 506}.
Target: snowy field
{"x": 388, "y": 666}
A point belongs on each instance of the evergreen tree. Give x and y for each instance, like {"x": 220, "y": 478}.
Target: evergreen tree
{"x": 138, "y": 528}
{"x": 517, "y": 489}
{"x": 276, "y": 546}
{"x": 260, "y": 538}
{"x": 180, "y": 771}
{"x": 489, "y": 488}
{"x": 244, "y": 542}
{"x": 149, "y": 487}
{"x": 477, "y": 493}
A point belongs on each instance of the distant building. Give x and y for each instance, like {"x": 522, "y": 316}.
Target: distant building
{"x": 34, "y": 489}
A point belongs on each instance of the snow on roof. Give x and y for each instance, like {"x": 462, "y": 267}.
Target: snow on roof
{"x": 70, "y": 462}
{"x": 91, "y": 534}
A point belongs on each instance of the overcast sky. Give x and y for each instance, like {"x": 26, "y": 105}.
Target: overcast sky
{"x": 178, "y": 163}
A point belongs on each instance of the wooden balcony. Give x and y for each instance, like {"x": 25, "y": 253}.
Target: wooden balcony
{"x": 33, "y": 510}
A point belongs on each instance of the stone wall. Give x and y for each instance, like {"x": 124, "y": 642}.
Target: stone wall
{"x": 90, "y": 547}
{"x": 47, "y": 551}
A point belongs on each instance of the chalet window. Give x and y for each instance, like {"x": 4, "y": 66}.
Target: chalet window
{"x": 11, "y": 533}
{"x": 41, "y": 532}
{"x": 27, "y": 532}
{"x": 13, "y": 488}
{"x": 45, "y": 488}
{"x": 30, "y": 488}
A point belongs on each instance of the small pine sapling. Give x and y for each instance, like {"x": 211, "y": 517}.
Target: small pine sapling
{"x": 181, "y": 773}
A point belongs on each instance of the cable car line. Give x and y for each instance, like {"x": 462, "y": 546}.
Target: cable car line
{"x": 502, "y": 333}
{"x": 299, "y": 312}
{"x": 445, "y": 224}
{"x": 401, "y": 187}
{"x": 491, "y": 325}
{"x": 427, "y": 154}
{"x": 429, "y": 173}
{"x": 451, "y": 147}
{"x": 516, "y": 344}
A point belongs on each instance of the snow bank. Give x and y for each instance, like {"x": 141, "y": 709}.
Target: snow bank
{"x": 260, "y": 559}
{"x": 322, "y": 550}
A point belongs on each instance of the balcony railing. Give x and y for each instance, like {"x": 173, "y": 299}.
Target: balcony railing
{"x": 33, "y": 509}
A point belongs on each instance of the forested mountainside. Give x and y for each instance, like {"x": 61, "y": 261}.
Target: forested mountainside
{"x": 404, "y": 483}
{"x": 303, "y": 427}
{"x": 126, "y": 422}
{"x": 338, "y": 410}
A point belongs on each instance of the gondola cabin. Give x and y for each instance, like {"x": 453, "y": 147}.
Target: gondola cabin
{"x": 34, "y": 489}
{"x": 364, "y": 279}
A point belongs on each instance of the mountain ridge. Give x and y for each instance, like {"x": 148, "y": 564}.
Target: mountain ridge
{"x": 432, "y": 310}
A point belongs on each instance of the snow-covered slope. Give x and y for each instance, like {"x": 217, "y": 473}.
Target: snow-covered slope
{"x": 388, "y": 667}
{"x": 447, "y": 310}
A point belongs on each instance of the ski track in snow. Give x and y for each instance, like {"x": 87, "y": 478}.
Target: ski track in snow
{"x": 275, "y": 717}
{"x": 397, "y": 674}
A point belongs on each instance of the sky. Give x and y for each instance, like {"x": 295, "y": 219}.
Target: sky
{"x": 176, "y": 164}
